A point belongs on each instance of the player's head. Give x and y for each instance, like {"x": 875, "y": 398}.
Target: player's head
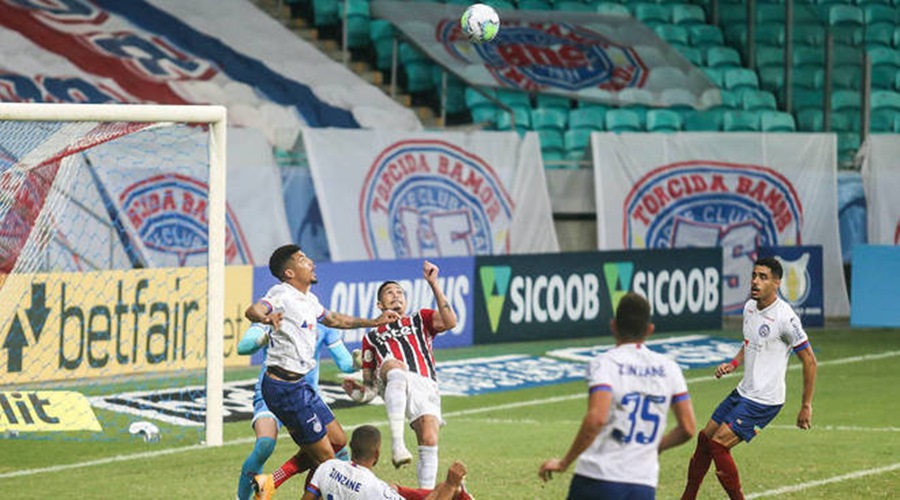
{"x": 391, "y": 297}
{"x": 766, "y": 279}
{"x": 365, "y": 444}
{"x": 289, "y": 263}
{"x": 632, "y": 321}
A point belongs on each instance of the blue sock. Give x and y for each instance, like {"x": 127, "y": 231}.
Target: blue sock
{"x": 343, "y": 454}
{"x": 254, "y": 465}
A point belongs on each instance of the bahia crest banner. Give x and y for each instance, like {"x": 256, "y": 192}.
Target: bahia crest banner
{"x": 389, "y": 194}
{"x": 581, "y": 55}
{"x": 737, "y": 191}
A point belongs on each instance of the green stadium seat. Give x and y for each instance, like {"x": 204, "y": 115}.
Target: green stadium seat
{"x": 688, "y": 14}
{"x": 758, "y": 100}
{"x": 358, "y": 22}
{"x": 535, "y": 5}
{"x": 513, "y": 98}
{"x": 811, "y": 34}
{"x": 497, "y": 4}
{"x": 811, "y": 120}
{"x": 879, "y": 15}
{"x": 522, "y": 117}
{"x": 740, "y": 121}
{"x": 381, "y": 33}
{"x": 573, "y": 6}
{"x": 663, "y": 120}
{"x": 808, "y": 99}
{"x": 705, "y": 35}
{"x": 809, "y": 78}
{"x": 770, "y": 57}
{"x": 553, "y": 101}
{"x": 576, "y": 143}
{"x": 772, "y": 79}
{"x": 553, "y": 147}
{"x": 882, "y": 120}
{"x": 672, "y": 34}
{"x": 896, "y": 38}
{"x": 846, "y": 78}
{"x": 483, "y": 109}
{"x": 808, "y": 57}
{"x": 417, "y": 69}
{"x": 456, "y": 90}
{"x": 325, "y": 13}
{"x": 692, "y": 54}
{"x": 848, "y": 144}
{"x": 777, "y": 121}
{"x": 723, "y": 57}
{"x": 843, "y": 100}
{"x": 549, "y": 119}
{"x": 730, "y": 14}
{"x": 703, "y": 121}
{"x": 885, "y": 99}
{"x": 741, "y": 78}
{"x": 652, "y": 14}
{"x": 770, "y": 13}
{"x": 845, "y": 121}
{"x": 623, "y": 120}
{"x": 848, "y": 35}
{"x": 879, "y": 36}
{"x": 845, "y": 15}
{"x": 612, "y": 9}
{"x": 591, "y": 118}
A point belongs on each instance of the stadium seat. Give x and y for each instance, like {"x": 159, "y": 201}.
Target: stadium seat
{"x": 723, "y": 57}
{"x": 753, "y": 100}
{"x": 678, "y": 99}
{"x": 770, "y": 57}
{"x": 808, "y": 57}
{"x": 808, "y": 99}
{"x": 358, "y": 20}
{"x": 688, "y": 14}
{"x": 497, "y": 4}
{"x": 879, "y": 36}
{"x": 576, "y": 143}
{"x": 740, "y": 121}
{"x": 456, "y": 89}
{"x": 549, "y": 119}
{"x": 777, "y": 121}
{"x": 544, "y": 100}
{"x": 705, "y": 35}
{"x": 843, "y": 100}
{"x": 845, "y": 15}
{"x": 703, "y": 121}
{"x": 611, "y": 9}
{"x": 845, "y": 121}
{"x": 770, "y": 13}
{"x": 672, "y": 34}
{"x": 417, "y": 68}
{"x": 522, "y": 117}
{"x": 715, "y": 75}
{"x": 623, "y": 120}
{"x": 741, "y": 78}
{"x": 663, "y": 120}
{"x": 651, "y": 14}
{"x": 811, "y": 120}
{"x": 325, "y": 13}
{"x": 591, "y": 118}
{"x": 848, "y": 144}
{"x": 553, "y": 147}
{"x": 514, "y": 98}
{"x": 483, "y": 109}
{"x": 381, "y": 33}
{"x": 771, "y": 34}
{"x": 882, "y": 121}
{"x": 846, "y": 78}
{"x": 535, "y": 5}
{"x": 573, "y": 6}
{"x": 809, "y": 78}
{"x": 809, "y": 34}
{"x": 879, "y": 15}
{"x": 885, "y": 99}
{"x": 772, "y": 79}
{"x": 692, "y": 54}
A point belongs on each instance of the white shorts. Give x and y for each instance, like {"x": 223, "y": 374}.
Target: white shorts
{"x": 422, "y": 397}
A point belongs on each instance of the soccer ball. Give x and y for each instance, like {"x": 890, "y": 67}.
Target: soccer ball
{"x": 480, "y": 23}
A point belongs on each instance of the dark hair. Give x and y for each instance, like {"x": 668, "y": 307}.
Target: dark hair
{"x": 280, "y": 258}
{"x": 773, "y": 264}
{"x": 632, "y": 316}
{"x": 364, "y": 442}
{"x": 382, "y": 287}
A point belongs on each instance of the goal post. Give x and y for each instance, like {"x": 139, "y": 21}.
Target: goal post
{"x": 213, "y": 117}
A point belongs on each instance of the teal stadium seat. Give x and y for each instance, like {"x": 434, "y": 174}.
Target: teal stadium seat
{"x": 381, "y": 33}
{"x": 846, "y": 78}
{"x": 535, "y": 5}
{"x": 777, "y": 121}
{"x": 549, "y": 119}
{"x": 885, "y": 65}
{"x": 808, "y": 99}
{"x": 456, "y": 90}
{"x": 325, "y": 13}
{"x": 740, "y": 121}
{"x": 848, "y": 144}
{"x": 771, "y": 35}
{"x": 417, "y": 68}
{"x": 879, "y": 15}
{"x": 652, "y": 14}
{"x": 723, "y": 57}
{"x": 573, "y": 6}
{"x": 811, "y": 120}
{"x": 808, "y": 57}
{"x": 612, "y": 9}
{"x": 882, "y": 121}
{"x": 770, "y": 13}
{"x": 692, "y": 54}
{"x": 623, "y": 120}
{"x": 758, "y": 100}
{"x": 741, "y": 78}
{"x": 688, "y": 14}
{"x": 896, "y": 39}
{"x": 770, "y": 57}
{"x": 522, "y": 117}
{"x": 553, "y": 147}
{"x": 705, "y": 35}
{"x": 809, "y": 78}
{"x": 483, "y": 109}
{"x": 845, "y": 100}
{"x": 663, "y": 120}
{"x": 590, "y": 118}
{"x": 554, "y": 101}
{"x": 809, "y": 34}
{"x": 576, "y": 143}
{"x": 513, "y": 98}
{"x": 497, "y": 4}
{"x": 358, "y": 22}
{"x": 885, "y": 100}
{"x": 771, "y": 79}
{"x": 845, "y": 121}
{"x": 703, "y": 121}
{"x": 879, "y": 36}
{"x": 845, "y": 15}
{"x": 672, "y": 34}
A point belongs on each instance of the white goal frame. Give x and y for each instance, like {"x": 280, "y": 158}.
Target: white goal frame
{"x": 215, "y": 117}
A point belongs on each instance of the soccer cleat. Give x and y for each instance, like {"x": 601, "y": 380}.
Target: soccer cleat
{"x": 263, "y": 487}
{"x": 401, "y": 457}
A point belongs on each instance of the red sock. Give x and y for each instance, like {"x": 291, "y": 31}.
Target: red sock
{"x": 726, "y": 470}
{"x": 295, "y": 465}
{"x": 697, "y": 469}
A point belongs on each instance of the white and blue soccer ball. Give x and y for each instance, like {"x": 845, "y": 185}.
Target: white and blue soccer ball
{"x": 480, "y": 23}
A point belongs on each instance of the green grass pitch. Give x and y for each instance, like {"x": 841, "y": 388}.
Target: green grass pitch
{"x": 852, "y": 451}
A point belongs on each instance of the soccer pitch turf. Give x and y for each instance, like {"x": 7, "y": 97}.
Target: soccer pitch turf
{"x": 852, "y": 451}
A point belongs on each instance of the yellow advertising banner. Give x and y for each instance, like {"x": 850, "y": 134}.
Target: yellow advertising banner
{"x": 63, "y": 326}
{"x": 46, "y": 411}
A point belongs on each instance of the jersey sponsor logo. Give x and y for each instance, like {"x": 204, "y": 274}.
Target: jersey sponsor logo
{"x": 538, "y": 56}
{"x": 764, "y": 330}
{"x": 169, "y": 214}
{"x": 714, "y": 204}
{"x": 426, "y": 198}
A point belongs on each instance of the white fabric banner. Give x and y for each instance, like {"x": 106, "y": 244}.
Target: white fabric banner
{"x": 387, "y": 195}
{"x": 581, "y": 55}
{"x": 881, "y": 180}
{"x": 740, "y": 191}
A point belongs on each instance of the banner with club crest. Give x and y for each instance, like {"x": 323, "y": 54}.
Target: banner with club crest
{"x": 581, "y": 55}
{"x": 393, "y": 194}
{"x": 740, "y": 191}
{"x": 881, "y": 180}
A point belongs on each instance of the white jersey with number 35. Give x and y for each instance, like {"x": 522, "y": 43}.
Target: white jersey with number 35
{"x": 643, "y": 384}
{"x": 769, "y": 336}
{"x": 339, "y": 480}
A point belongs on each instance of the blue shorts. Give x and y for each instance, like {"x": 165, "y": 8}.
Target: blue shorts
{"x": 585, "y": 488}
{"x": 745, "y": 418}
{"x": 299, "y": 408}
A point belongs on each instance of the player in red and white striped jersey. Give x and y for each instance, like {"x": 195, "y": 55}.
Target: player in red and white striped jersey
{"x": 401, "y": 355}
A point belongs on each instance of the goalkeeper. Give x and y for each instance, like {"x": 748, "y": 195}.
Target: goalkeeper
{"x": 401, "y": 355}
{"x": 264, "y": 422}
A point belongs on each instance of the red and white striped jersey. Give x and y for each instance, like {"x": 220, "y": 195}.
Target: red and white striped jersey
{"x": 409, "y": 339}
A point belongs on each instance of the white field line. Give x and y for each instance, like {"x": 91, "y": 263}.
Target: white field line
{"x": 250, "y": 439}
{"x": 821, "y": 482}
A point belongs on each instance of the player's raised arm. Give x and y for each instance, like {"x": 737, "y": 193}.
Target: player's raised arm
{"x": 445, "y": 319}
{"x": 808, "y": 358}
{"x": 343, "y": 321}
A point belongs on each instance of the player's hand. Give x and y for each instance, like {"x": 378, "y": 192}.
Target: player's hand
{"x": 724, "y": 369}
{"x": 430, "y": 271}
{"x": 274, "y": 319}
{"x": 456, "y": 474}
{"x": 804, "y": 418}
{"x": 549, "y": 467}
{"x": 387, "y": 317}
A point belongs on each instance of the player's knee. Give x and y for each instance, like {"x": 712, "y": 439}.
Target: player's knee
{"x": 264, "y": 448}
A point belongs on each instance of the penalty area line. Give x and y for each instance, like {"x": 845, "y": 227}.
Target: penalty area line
{"x": 459, "y": 413}
{"x": 822, "y": 482}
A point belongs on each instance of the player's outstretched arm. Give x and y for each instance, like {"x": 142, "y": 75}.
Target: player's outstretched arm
{"x": 686, "y": 428}
{"x": 445, "y": 319}
{"x": 597, "y": 416}
{"x": 343, "y": 321}
{"x": 449, "y": 488}
{"x": 808, "y": 358}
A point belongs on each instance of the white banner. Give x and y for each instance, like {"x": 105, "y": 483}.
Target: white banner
{"x": 387, "y": 195}
{"x": 738, "y": 191}
{"x": 881, "y": 180}
{"x": 581, "y": 55}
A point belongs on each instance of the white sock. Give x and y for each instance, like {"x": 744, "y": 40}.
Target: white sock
{"x": 427, "y": 467}
{"x": 395, "y": 403}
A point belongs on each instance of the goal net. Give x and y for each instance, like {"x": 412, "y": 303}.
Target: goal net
{"x": 112, "y": 246}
